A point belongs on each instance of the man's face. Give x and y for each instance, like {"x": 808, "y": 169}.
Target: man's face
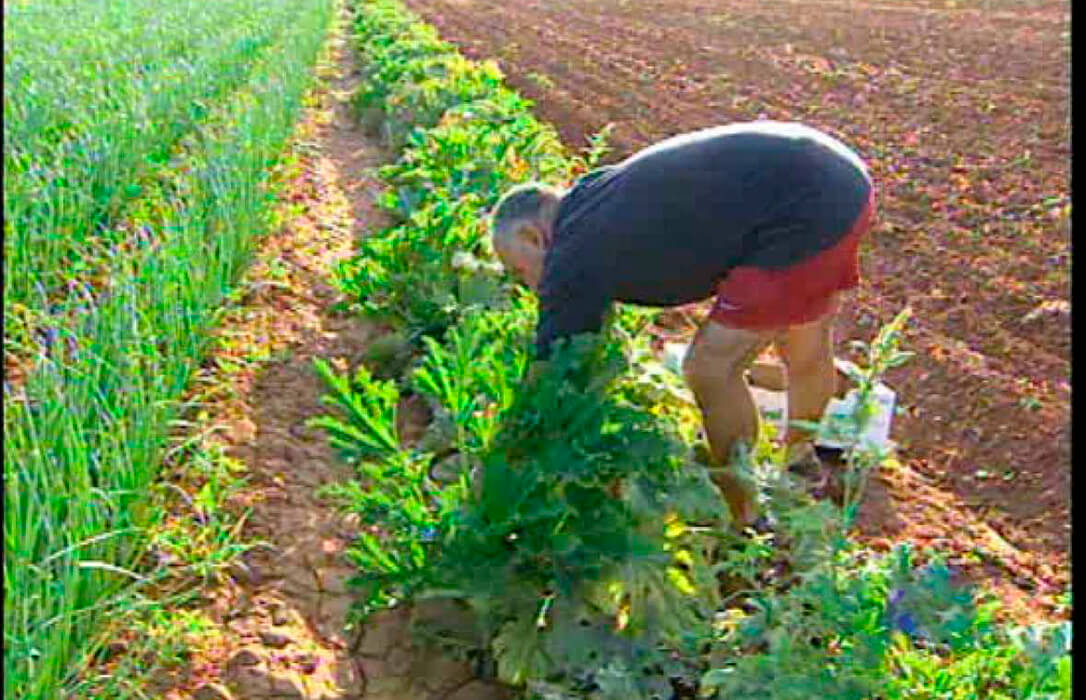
{"x": 523, "y": 256}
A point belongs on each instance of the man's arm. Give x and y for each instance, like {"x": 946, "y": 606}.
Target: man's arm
{"x": 575, "y": 304}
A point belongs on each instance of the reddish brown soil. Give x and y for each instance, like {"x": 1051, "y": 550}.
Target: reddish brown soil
{"x": 274, "y": 623}
{"x": 962, "y": 110}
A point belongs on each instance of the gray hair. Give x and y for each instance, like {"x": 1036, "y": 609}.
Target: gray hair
{"x": 530, "y": 203}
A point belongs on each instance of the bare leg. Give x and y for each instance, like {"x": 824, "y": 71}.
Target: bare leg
{"x": 768, "y": 375}
{"x": 807, "y": 351}
{"x": 714, "y": 369}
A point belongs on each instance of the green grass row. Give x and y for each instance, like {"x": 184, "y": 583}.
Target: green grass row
{"x": 95, "y": 95}
{"x": 568, "y": 512}
{"x": 84, "y": 439}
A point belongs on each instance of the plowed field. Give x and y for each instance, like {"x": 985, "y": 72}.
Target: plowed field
{"x": 962, "y": 111}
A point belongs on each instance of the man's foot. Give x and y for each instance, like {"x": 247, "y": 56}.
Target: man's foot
{"x": 819, "y": 469}
{"x": 763, "y": 524}
{"x": 835, "y": 464}
{"x": 833, "y": 457}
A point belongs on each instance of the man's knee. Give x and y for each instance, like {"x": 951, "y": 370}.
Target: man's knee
{"x": 808, "y": 349}
{"x": 718, "y": 353}
{"x": 811, "y": 360}
{"x": 697, "y": 368}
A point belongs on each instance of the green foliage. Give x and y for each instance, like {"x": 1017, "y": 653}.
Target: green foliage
{"x": 884, "y": 628}
{"x": 574, "y": 525}
{"x": 138, "y": 139}
{"x": 465, "y": 138}
{"x": 842, "y": 623}
{"x": 477, "y": 149}
{"x": 566, "y": 505}
{"x": 1011, "y": 663}
{"x": 95, "y": 97}
{"x": 423, "y": 284}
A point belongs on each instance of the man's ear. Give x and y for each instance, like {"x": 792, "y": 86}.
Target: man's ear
{"x": 532, "y": 236}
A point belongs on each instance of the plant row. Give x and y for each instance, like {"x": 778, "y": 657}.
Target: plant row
{"x": 96, "y": 96}
{"x": 566, "y": 510}
{"x": 84, "y": 435}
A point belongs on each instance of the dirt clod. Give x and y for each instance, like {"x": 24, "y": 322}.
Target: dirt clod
{"x": 280, "y": 616}
{"x": 114, "y": 649}
{"x": 243, "y": 573}
{"x": 439, "y": 672}
{"x": 212, "y": 691}
{"x": 307, "y": 663}
{"x": 275, "y": 640}
{"x": 244, "y": 658}
{"x": 383, "y": 631}
{"x": 399, "y": 661}
{"x": 479, "y": 690}
{"x": 286, "y": 688}
{"x": 387, "y": 688}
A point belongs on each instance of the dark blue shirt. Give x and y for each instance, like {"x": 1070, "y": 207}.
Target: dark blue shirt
{"x": 663, "y": 227}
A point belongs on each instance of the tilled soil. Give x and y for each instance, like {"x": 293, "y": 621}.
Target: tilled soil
{"x": 962, "y": 111}
{"x": 280, "y": 618}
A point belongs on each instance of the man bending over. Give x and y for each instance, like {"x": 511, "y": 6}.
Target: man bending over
{"x": 765, "y": 215}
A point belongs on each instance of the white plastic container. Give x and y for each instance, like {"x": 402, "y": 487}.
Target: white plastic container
{"x": 773, "y": 405}
{"x": 877, "y": 433}
{"x": 673, "y": 356}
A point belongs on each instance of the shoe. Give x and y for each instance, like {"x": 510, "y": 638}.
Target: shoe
{"x": 820, "y": 468}
{"x": 833, "y": 457}
{"x": 763, "y": 524}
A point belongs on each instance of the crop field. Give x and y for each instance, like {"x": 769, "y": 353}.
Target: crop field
{"x": 137, "y": 140}
{"x": 272, "y": 427}
{"x": 568, "y": 514}
{"x": 962, "y": 110}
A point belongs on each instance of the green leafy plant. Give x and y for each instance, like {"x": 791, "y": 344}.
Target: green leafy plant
{"x": 842, "y": 623}
{"x": 137, "y": 143}
{"x": 569, "y": 540}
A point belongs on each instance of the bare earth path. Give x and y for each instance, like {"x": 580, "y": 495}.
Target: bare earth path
{"x": 279, "y": 621}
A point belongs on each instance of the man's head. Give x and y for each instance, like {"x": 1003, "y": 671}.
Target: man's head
{"x": 522, "y": 226}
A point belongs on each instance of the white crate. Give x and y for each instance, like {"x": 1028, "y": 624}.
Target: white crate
{"x": 773, "y": 405}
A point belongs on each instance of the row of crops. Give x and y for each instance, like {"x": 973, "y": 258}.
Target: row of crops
{"x": 565, "y": 508}
{"x": 137, "y": 143}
